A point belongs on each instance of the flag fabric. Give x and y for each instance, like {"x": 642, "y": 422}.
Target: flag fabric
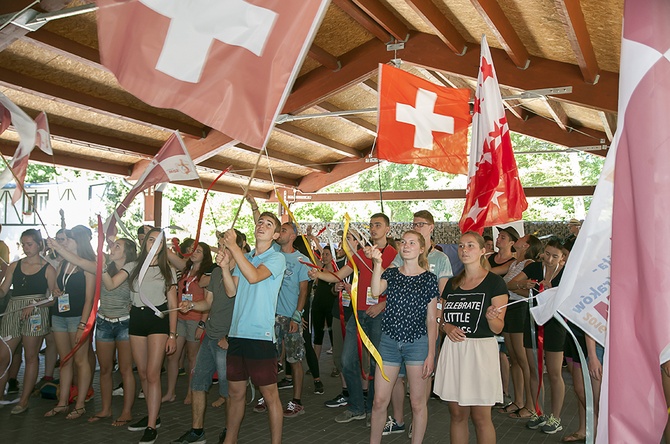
{"x": 227, "y": 63}
{"x": 494, "y": 192}
{"x": 639, "y": 310}
{"x": 422, "y": 123}
{"x": 171, "y": 164}
{"x": 25, "y": 127}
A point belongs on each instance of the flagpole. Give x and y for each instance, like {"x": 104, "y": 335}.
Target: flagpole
{"x": 246, "y": 190}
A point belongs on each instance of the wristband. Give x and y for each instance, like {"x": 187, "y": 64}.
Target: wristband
{"x": 83, "y": 323}
{"x": 201, "y": 324}
{"x": 172, "y": 335}
{"x": 297, "y": 316}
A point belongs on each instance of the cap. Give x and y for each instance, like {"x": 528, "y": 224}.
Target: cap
{"x": 511, "y": 231}
{"x": 574, "y": 221}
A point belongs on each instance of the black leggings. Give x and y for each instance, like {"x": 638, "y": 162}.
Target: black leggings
{"x": 322, "y": 312}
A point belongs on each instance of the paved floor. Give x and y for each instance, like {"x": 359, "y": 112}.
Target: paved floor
{"x": 315, "y": 426}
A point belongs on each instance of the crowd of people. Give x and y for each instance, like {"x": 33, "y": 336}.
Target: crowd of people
{"x": 243, "y": 315}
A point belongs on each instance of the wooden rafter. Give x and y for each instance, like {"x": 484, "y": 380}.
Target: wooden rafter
{"x": 285, "y": 158}
{"x": 363, "y": 19}
{"x": 348, "y": 167}
{"x": 324, "y": 57}
{"x": 219, "y": 165}
{"x": 316, "y": 139}
{"x": 360, "y": 124}
{"x": 609, "y": 123}
{"x": 557, "y": 113}
{"x": 432, "y": 15}
{"x": 382, "y": 15}
{"x": 370, "y": 86}
{"x": 199, "y": 184}
{"x": 494, "y": 16}
{"x": 580, "y": 40}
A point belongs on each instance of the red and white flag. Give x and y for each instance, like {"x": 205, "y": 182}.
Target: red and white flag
{"x": 227, "y": 63}
{"x": 633, "y": 407}
{"x": 494, "y": 193}
{"x": 171, "y": 164}
{"x": 422, "y": 123}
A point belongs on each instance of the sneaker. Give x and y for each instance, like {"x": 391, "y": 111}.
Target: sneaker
{"x": 293, "y": 409}
{"x": 260, "y": 407}
{"x": 337, "y": 401}
{"x": 143, "y": 424}
{"x": 118, "y": 391}
{"x": 552, "y": 426}
{"x": 329, "y": 352}
{"x": 409, "y": 434}
{"x": 348, "y": 416}
{"x": 141, "y": 394}
{"x": 318, "y": 388}
{"x": 149, "y": 436}
{"x": 12, "y": 386}
{"x": 191, "y": 437}
{"x": 392, "y": 427}
{"x": 335, "y": 373}
{"x": 181, "y": 372}
{"x": 222, "y": 435}
{"x": 280, "y": 368}
{"x": 535, "y": 422}
{"x": 285, "y": 384}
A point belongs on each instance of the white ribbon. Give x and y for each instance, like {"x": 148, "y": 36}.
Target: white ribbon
{"x": 143, "y": 271}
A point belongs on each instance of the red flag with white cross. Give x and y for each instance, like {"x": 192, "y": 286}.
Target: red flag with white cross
{"x": 494, "y": 193}
{"x": 422, "y": 123}
{"x": 227, "y": 63}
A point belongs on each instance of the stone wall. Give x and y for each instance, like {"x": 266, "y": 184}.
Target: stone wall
{"x": 446, "y": 232}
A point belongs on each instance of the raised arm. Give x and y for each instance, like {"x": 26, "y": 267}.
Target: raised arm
{"x": 84, "y": 264}
{"x": 229, "y": 281}
{"x": 377, "y": 284}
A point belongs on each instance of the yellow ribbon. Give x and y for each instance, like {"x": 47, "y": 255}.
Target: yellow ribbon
{"x": 354, "y": 301}
{"x": 304, "y": 238}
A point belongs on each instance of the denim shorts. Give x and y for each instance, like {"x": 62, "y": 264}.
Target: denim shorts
{"x": 394, "y": 353}
{"x": 61, "y": 324}
{"x": 211, "y": 358}
{"x": 106, "y": 331}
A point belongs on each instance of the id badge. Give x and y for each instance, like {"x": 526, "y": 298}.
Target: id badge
{"x": 346, "y": 299}
{"x": 371, "y": 299}
{"x": 35, "y": 321}
{"x": 187, "y": 297}
{"x": 64, "y": 303}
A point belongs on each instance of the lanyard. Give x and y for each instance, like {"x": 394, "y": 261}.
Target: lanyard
{"x": 66, "y": 275}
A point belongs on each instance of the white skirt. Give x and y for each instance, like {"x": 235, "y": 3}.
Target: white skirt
{"x": 468, "y": 372}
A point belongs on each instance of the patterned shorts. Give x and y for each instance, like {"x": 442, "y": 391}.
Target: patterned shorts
{"x": 294, "y": 344}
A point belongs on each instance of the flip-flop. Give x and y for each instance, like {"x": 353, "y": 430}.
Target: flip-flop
{"x": 517, "y": 414}
{"x": 575, "y": 437}
{"x": 506, "y": 408}
{"x": 97, "y": 418}
{"x": 121, "y": 422}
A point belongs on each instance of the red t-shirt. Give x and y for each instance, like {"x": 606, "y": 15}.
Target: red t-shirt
{"x": 365, "y": 274}
{"x": 189, "y": 285}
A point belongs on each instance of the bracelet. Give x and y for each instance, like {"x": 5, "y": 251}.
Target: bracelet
{"x": 172, "y": 335}
{"x": 191, "y": 305}
{"x": 81, "y": 328}
{"x": 83, "y": 323}
{"x": 201, "y": 324}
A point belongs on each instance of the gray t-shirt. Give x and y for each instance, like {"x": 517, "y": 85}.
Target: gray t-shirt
{"x": 115, "y": 303}
{"x": 153, "y": 286}
{"x": 221, "y": 312}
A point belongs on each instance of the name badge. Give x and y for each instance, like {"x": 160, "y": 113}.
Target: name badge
{"x": 371, "y": 299}
{"x": 64, "y": 303}
{"x": 346, "y": 299}
{"x": 35, "y": 322}
{"x": 186, "y": 297}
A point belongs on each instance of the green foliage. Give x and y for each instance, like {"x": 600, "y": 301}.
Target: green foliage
{"x": 181, "y": 197}
{"x": 36, "y": 173}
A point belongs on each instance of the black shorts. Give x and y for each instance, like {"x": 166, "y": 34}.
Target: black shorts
{"x": 251, "y": 358}
{"x": 571, "y": 349}
{"x": 144, "y": 322}
{"x": 515, "y": 317}
{"x": 554, "y": 335}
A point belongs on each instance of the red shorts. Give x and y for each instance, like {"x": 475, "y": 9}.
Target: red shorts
{"x": 251, "y": 358}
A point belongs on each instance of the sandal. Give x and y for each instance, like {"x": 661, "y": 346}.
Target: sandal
{"x": 575, "y": 437}
{"x": 517, "y": 414}
{"x": 510, "y": 408}
{"x": 57, "y": 411}
{"x": 96, "y": 418}
{"x": 76, "y": 413}
{"x": 121, "y": 422}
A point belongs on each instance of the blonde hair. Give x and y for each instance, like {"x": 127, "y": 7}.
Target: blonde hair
{"x": 423, "y": 256}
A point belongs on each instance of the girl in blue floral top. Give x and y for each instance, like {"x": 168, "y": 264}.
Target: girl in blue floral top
{"x": 409, "y": 330}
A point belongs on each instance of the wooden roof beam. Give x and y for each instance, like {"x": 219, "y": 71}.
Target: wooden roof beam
{"x": 580, "y": 40}
{"x": 320, "y": 141}
{"x": 324, "y": 57}
{"x": 238, "y": 191}
{"x": 609, "y": 121}
{"x": 345, "y": 168}
{"x": 370, "y": 86}
{"x": 80, "y": 100}
{"x": 494, "y": 16}
{"x": 450, "y": 81}
{"x": 432, "y": 15}
{"x": 382, "y": 15}
{"x": 363, "y": 19}
{"x": 557, "y": 113}
{"x": 288, "y": 159}
{"x": 359, "y": 123}
{"x": 245, "y": 171}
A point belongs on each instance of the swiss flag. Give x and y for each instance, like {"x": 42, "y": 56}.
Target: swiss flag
{"x": 422, "y": 123}
{"x": 171, "y": 164}
{"x": 227, "y": 63}
{"x": 494, "y": 193}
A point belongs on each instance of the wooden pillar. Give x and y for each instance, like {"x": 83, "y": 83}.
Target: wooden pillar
{"x": 153, "y": 207}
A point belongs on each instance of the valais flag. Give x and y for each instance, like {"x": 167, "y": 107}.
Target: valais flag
{"x": 227, "y": 63}
{"x": 422, "y": 123}
{"x": 494, "y": 193}
{"x": 171, "y": 164}
{"x": 633, "y": 408}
